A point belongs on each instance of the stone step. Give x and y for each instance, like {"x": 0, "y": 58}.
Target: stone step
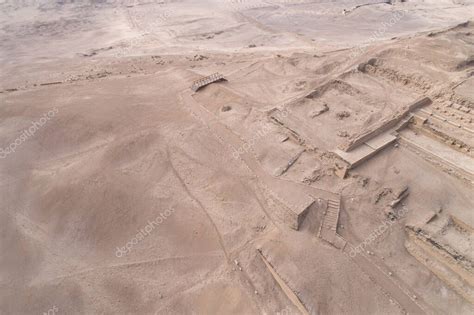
{"x": 330, "y": 226}
{"x": 331, "y": 215}
{"x": 331, "y": 223}
{"x": 206, "y": 80}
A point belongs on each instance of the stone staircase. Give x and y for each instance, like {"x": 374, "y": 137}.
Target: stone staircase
{"x": 332, "y": 215}
{"x": 215, "y": 77}
{"x": 328, "y": 229}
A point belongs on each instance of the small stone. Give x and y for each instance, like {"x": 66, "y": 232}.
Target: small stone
{"x": 226, "y": 108}
{"x": 236, "y": 262}
{"x": 343, "y": 114}
{"x": 343, "y": 134}
{"x": 256, "y": 292}
{"x": 390, "y": 273}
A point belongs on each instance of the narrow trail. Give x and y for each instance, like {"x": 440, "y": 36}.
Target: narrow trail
{"x": 128, "y": 264}
{"x": 262, "y": 206}
{"x": 388, "y": 284}
{"x": 190, "y": 194}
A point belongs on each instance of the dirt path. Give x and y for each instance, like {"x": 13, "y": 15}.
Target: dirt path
{"x": 388, "y": 284}
{"x": 190, "y": 194}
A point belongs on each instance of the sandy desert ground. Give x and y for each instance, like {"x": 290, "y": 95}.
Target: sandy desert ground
{"x": 331, "y": 172}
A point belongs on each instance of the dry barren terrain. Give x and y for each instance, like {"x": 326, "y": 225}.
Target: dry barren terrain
{"x": 330, "y": 172}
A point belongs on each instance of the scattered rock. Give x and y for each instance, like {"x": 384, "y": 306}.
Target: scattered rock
{"x": 226, "y": 108}
{"x": 372, "y": 61}
{"x": 342, "y": 115}
{"x": 300, "y": 85}
{"x": 199, "y": 57}
{"x": 385, "y": 191}
{"x": 343, "y": 134}
{"x": 259, "y": 228}
{"x": 315, "y": 176}
{"x": 363, "y": 181}
{"x": 395, "y": 202}
{"x": 340, "y": 171}
{"x": 319, "y": 111}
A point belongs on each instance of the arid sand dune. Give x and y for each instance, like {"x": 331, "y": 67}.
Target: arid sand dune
{"x": 331, "y": 171}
